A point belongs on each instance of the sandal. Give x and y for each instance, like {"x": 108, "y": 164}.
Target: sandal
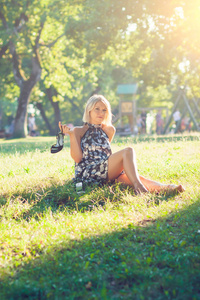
{"x": 60, "y": 142}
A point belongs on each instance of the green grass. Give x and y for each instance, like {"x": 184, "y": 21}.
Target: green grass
{"x": 106, "y": 243}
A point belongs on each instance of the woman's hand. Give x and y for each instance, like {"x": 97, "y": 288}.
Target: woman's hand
{"x": 65, "y": 129}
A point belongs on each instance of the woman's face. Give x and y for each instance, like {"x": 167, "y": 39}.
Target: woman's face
{"x": 98, "y": 113}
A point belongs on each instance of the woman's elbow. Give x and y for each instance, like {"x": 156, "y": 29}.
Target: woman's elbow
{"x": 77, "y": 158}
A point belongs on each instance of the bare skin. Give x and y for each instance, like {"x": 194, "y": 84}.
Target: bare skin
{"x": 123, "y": 160}
{"x": 126, "y": 160}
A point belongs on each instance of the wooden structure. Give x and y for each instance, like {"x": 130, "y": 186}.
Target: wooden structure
{"x": 127, "y": 104}
{"x": 182, "y": 99}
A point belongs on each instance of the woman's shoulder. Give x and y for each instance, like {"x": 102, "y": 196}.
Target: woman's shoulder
{"x": 109, "y": 130}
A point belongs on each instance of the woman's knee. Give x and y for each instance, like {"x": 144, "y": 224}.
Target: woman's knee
{"x": 128, "y": 152}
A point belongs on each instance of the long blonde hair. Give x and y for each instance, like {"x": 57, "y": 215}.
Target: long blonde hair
{"x": 90, "y": 105}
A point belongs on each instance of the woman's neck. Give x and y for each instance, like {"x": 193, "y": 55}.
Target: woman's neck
{"x": 94, "y": 125}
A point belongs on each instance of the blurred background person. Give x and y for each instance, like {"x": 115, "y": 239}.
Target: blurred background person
{"x": 32, "y": 125}
{"x": 159, "y": 122}
{"x": 177, "y": 117}
{"x": 144, "y": 121}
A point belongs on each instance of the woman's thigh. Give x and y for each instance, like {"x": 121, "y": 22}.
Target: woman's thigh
{"x": 115, "y": 165}
{"x": 123, "y": 179}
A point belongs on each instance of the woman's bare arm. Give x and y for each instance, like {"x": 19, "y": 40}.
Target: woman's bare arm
{"x": 75, "y": 145}
{"x": 75, "y": 135}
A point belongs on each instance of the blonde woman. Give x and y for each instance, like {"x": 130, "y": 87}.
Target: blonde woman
{"x": 94, "y": 161}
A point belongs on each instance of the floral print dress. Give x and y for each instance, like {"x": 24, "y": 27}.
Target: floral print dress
{"x": 95, "y": 145}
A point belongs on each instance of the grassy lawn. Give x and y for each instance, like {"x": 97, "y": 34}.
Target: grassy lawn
{"x": 105, "y": 243}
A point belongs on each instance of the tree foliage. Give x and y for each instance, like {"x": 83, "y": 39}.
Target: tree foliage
{"x": 58, "y": 53}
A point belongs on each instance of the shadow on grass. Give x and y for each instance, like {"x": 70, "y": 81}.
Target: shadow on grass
{"x": 63, "y": 197}
{"x": 60, "y": 197}
{"x": 155, "y": 259}
{"x": 37, "y": 200}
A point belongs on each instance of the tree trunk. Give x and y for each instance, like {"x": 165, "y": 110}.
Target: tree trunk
{"x": 43, "y": 114}
{"x": 20, "y": 127}
{"x": 57, "y": 116}
{"x": 26, "y": 86}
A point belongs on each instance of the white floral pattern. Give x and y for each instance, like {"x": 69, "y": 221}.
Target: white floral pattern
{"x": 93, "y": 167}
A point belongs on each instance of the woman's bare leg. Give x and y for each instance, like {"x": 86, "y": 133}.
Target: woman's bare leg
{"x": 154, "y": 186}
{"x": 151, "y": 185}
{"x": 125, "y": 160}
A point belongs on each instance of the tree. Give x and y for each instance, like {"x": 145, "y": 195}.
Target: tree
{"x": 23, "y": 23}
{"x": 13, "y": 28}
{"x": 61, "y": 43}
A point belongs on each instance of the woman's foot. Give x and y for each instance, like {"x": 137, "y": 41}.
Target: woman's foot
{"x": 175, "y": 188}
{"x": 171, "y": 188}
